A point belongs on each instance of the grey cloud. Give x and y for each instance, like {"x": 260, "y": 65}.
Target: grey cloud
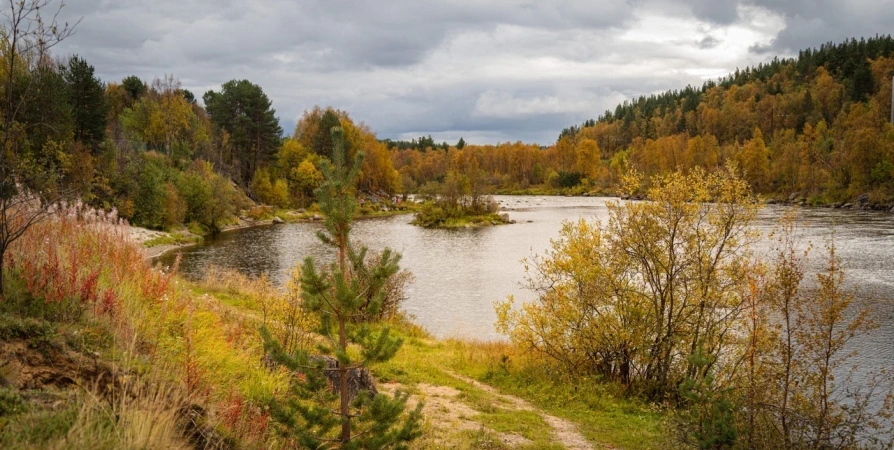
{"x": 708, "y": 42}
{"x": 723, "y": 12}
{"x": 811, "y": 23}
{"x": 499, "y": 70}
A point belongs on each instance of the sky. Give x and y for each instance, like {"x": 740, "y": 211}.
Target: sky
{"x": 488, "y": 71}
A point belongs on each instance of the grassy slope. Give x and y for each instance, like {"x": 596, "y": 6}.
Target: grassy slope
{"x": 166, "y": 346}
{"x": 600, "y": 415}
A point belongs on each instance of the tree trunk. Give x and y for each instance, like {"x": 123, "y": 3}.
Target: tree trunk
{"x": 2, "y": 273}
{"x": 343, "y": 387}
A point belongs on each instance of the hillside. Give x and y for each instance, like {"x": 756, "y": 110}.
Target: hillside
{"x": 816, "y": 125}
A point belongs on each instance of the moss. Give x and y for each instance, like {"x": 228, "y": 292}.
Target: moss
{"x": 13, "y": 327}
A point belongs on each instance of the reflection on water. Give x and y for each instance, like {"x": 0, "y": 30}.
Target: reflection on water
{"x": 461, "y": 273}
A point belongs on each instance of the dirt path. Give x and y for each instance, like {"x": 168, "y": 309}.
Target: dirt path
{"x": 565, "y": 432}
{"x": 442, "y": 404}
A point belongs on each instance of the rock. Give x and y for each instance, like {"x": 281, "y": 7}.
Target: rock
{"x": 359, "y": 379}
{"x": 316, "y": 217}
{"x": 276, "y": 219}
{"x": 505, "y": 217}
{"x": 863, "y": 199}
{"x": 793, "y": 196}
{"x": 847, "y": 205}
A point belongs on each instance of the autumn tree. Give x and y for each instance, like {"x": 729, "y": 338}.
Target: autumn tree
{"x": 802, "y": 390}
{"x": 755, "y": 161}
{"x": 636, "y": 298}
{"x": 323, "y": 412}
{"x": 25, "y": 41}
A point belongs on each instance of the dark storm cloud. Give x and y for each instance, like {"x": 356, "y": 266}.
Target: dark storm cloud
{"x": 490, "y": 71}
{"x": 722, "y": 12}
{"x": 708, "y": 42}
{"x": 810, "y": 23}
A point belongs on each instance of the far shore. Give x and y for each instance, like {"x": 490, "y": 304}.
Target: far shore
{"x": 142, "y": 235}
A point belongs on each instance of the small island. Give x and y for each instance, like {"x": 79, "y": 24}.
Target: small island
{"x": 458, "y": 202}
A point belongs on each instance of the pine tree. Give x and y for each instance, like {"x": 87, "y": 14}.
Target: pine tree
{"x": 322, "y": 142}
{"x": 86, "y": 95}
{"x": 321, "y": 412}
{"x": 246, "y": 113}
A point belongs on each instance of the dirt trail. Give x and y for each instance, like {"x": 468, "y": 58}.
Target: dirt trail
{"x": 565, "y": 432}
{"x": 442, "y": 404}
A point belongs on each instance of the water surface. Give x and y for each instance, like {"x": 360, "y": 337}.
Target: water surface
{"x": 461, "y": 273}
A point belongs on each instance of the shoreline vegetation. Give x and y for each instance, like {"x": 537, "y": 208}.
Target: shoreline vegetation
{"x": 98, "y": 344}
{"x": 156, "y": 243}
{"x": 159, "y": 243}
{"x": 127, "y": 354}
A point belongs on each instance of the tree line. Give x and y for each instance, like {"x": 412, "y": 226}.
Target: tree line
{"x": 815, "y": 125}
{"x": 151, "y": 151}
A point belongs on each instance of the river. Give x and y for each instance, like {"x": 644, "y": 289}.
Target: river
{"x": 459, "y": 274}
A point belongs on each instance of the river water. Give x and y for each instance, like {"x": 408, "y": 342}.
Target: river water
{"x": 459, "y": 274}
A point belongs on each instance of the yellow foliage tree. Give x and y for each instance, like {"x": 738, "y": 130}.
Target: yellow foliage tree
{"x": 632, "y": 298}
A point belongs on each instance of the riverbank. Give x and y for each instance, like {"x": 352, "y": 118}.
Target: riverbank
{"x": 155, "y": 243}
{"x": 862, "y": 202}
{"x": 141, "y": 358}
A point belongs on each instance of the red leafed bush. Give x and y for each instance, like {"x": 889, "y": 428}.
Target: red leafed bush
{"x": 80, "y": 260}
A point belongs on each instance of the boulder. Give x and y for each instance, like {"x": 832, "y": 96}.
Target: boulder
{"x": 359, "y": 379}
{"x": 847, "y": 205}
{"x": 793, "y": 196}
{"x": 276, "y": 219}
{"x": 863, "y": 199}
{"x": 316, "y": 217}
{"x": 505, "y": 217}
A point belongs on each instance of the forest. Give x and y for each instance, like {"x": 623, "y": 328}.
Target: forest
{"x": 151, "y": 152}
{"x": 816, "y": 126}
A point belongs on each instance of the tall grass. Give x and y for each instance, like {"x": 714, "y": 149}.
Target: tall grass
{"x": 79, "y": 261}
{"x": 79, "y": 269}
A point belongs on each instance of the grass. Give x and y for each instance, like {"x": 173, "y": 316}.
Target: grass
{"x": 175, "y": 345}
{"x": 601, "y": 414}
{"x": 481, "y": 220}
{"x": 175, "y": 238}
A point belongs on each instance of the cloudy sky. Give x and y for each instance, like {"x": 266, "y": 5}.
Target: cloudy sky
{"x": 490, "y": 71}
